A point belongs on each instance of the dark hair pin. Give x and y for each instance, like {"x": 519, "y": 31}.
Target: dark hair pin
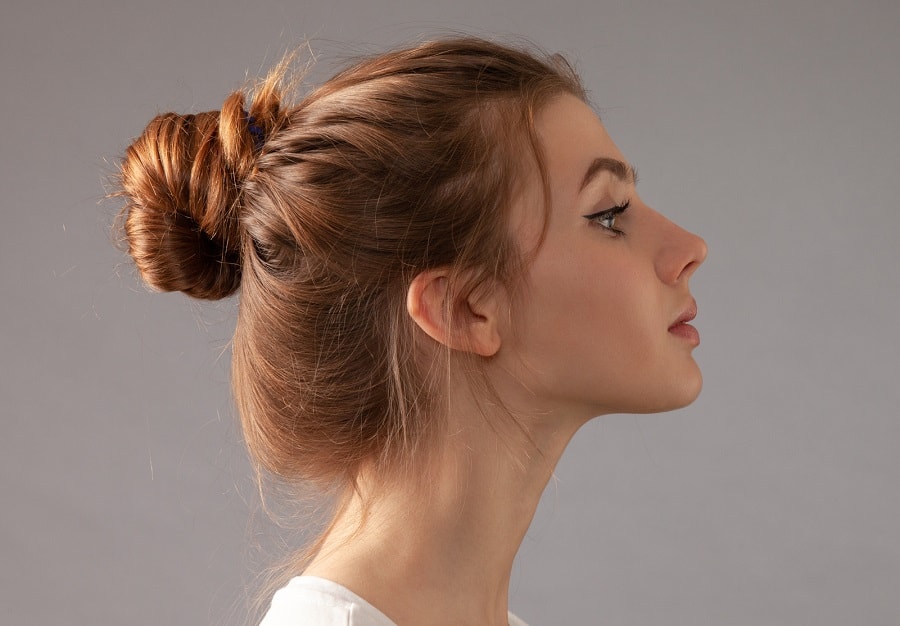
{"x": 257, "y": 132}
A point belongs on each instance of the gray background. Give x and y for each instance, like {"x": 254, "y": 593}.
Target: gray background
{"x": 771, "y": 128}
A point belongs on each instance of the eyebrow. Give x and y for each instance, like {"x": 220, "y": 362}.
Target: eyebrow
{"x": 621, "y": 170}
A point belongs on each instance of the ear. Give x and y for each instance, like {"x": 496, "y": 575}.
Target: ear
{"x": 467, "y": 325}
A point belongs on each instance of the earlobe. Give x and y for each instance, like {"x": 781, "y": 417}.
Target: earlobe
{"x": 467, "y": 325}
{"x": 482, "y": 319}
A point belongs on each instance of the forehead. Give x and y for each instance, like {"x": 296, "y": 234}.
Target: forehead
{"x": 573, "y": 141}
{"x": 572, "y": 138}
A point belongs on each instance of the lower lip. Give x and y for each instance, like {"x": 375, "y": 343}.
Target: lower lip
{"x": 686, "y": 332}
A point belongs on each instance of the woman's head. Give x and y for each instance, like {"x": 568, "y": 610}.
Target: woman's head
{"x": 403, "y": 163}
{"x": 603, "y": 327}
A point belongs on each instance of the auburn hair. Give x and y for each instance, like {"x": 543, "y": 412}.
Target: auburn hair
{"x": 320, "y": 213}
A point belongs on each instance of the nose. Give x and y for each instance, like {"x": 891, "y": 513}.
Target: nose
{"x": 681, "y": 253}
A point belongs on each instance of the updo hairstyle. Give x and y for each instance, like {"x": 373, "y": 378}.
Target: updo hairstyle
{"x": 320, "y": 214}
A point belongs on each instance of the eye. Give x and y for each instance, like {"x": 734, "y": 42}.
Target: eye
{"x": 606, "y": 219}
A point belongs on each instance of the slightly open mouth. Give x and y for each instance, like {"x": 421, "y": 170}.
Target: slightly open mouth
{"x": 685, "y": 331}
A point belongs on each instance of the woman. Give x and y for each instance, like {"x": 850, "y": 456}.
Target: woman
{"x": 444, "y": 271}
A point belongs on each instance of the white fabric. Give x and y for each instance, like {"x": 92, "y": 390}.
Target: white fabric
{"x": 314, "y": 601}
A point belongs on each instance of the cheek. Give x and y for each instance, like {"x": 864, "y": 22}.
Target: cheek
{"x": 622, "y": 329}
{"x": 600, "y": 313}
{"x": 592, "y": 332}
{"x": 601, "y": 295}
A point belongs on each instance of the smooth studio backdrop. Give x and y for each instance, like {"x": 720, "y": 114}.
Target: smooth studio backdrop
{"x": 770, "y": 128}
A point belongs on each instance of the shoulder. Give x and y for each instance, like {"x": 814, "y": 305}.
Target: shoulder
{"x": 313, "y": 601}
{"x": 515, "y": 621}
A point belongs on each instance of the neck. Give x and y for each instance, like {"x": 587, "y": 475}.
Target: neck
{"x": 449, "y": 545}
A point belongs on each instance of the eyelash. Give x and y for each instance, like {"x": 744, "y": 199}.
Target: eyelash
{"x": 609, "y": 214}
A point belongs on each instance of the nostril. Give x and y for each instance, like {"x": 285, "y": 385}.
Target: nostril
{"x": 689, "y": 269}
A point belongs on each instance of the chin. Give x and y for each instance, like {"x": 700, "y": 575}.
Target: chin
{"x": 657, "y": 392}
{"x": 677, "y": 396}
{"x": 690, "y": 393}
{"x": 687, "y": 392}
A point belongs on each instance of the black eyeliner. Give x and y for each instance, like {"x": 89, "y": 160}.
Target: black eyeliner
{"x": 607, "y": 213}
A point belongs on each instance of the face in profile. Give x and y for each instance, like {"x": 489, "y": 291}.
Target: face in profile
{"x": 601, "y": 325}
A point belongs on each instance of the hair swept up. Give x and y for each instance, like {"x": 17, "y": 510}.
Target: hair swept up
{"x": 404, "y": 161}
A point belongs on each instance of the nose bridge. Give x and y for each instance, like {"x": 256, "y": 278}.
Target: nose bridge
{"x": 680, "y": 252}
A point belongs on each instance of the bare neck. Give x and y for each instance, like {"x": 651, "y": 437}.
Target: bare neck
{"x": 443, "y": 554}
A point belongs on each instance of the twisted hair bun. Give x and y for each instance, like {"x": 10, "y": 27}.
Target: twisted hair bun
{"x": 182, "y": 181}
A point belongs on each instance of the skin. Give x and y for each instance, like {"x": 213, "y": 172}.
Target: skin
{"x": 594, "y": 325}
{"x": 589, "y": 335}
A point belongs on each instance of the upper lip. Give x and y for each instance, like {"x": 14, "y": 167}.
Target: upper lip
{"x": 689, "y": 313}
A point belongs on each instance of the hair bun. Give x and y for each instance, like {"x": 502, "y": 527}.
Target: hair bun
{"x": 182, "y": 181}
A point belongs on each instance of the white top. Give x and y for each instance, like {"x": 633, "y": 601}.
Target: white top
{"x": 314, "y": 601}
